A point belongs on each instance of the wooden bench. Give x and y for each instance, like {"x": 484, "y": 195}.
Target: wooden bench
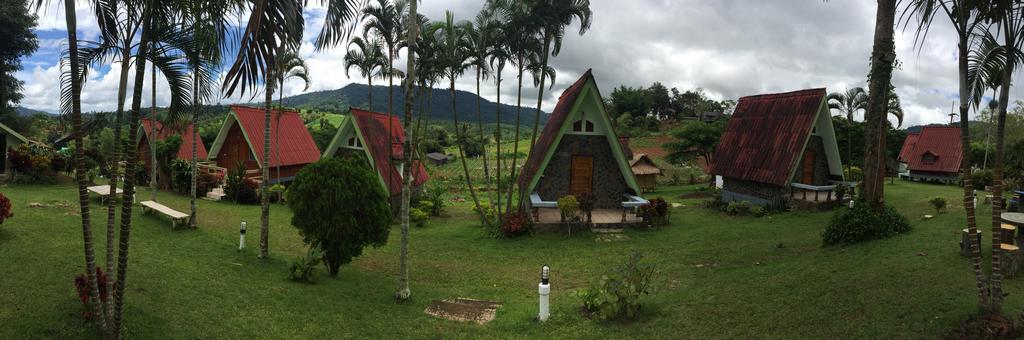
{"x": 104, "y": 192}
{"x": 536, "y": 203}
{"x": 176, "y": 216}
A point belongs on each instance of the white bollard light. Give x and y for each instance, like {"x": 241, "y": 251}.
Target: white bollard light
{"x": 241, "y": 236}
{"x": 544, "y": 289}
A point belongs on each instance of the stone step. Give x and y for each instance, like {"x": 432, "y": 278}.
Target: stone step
{"x": 606, "y": 230}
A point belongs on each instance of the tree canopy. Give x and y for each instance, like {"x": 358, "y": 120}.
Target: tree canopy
{"x": 17, "y": 40}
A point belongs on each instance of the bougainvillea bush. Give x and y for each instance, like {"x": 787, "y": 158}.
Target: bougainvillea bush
{"x": 82, "y": 286}
{"x": 655, "y": 211}
{"x": 515, "y": 224}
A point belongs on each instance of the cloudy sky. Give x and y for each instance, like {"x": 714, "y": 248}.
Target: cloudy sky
{"x": 729, "y": 48}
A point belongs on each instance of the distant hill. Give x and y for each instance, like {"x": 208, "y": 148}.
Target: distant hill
{"x": 24, "y": 111}
{"x": 358, "y": 95}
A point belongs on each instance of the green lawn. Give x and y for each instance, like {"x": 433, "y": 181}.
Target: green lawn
{"x": 717, "y": 277}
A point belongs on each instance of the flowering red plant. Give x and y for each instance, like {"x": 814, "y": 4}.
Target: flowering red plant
{"x": 5, "y": 208}
{"x": 515, "y": 224}
{"x": 82, "y": 286}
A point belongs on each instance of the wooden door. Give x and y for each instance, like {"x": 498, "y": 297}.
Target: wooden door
{"x": 808, "y": 175}
{"x": 581, "y": 175}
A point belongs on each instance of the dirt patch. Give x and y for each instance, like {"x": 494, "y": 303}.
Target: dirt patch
{"x": 695, "y": 194}
{"x": 986, "y": 326}
{"x": 463, "y": 309}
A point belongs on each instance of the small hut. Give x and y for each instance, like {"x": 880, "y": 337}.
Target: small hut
{"x": 240, "y": 141}
{"x": 438, "y": 158}
{"x": 937, "y": 155}
{"x": 645, "y": 171}
{"x": 9, "y": 139}
{"x": 157, "y": 131}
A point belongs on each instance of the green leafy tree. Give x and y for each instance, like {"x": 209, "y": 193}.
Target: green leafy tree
{"x": 695, "y": 138}
{"x": 635, "y": 102}
{"x": 17, "y": 40}
{"x": 315, "y": 197}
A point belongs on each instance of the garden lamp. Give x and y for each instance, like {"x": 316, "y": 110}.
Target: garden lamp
{"x": 544, "y": 289}
{"x": 241, "y": 236}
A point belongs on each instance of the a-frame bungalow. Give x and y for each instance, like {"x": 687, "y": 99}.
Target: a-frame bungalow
{"x": 365, "y": 134}
{"x": 779, "y": 147}
{"x": 578, "y": 152}
{"x": 157, "y": 131}
{"x": 936, "y": 156}
{"x": 240, "y": 141}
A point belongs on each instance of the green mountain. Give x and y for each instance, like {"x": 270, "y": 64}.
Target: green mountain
{"x": 357, "y": 95}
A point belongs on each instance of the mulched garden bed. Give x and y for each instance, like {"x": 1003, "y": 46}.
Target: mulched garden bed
{"x": 986, "y": 326}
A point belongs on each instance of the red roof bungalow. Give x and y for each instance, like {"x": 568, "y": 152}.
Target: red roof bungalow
{"x": 365, "y": 134}
{"x": 936, "y": 156}
{"x": 775, "y": 143}
{"x": 578, "y": 152}
{"x": 240, "y": 141}
{"x": 154, "y": 130}
{"x": 908, "y": 146}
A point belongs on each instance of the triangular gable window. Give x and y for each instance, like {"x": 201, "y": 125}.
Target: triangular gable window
{"x": 583, "y": 125}
{"x": 929, "y": 158}
{"x": 354, "y": 142}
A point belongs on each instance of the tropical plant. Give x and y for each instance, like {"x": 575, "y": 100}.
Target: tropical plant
{"x": 411, "y": 23}
{"x": 848, "y": 103}
{"x": 289, "y": 66}
{"x": 314, "y": 197}
{"x": 478, "y": 37}
{"x": 617, "y": 294}
{"x": 860, "y": 224}
{"x": 938, "y": 203}
{"x": 301, "y": 268}
{"x": 368, "y": 58}
{"x": 417, "y": 217}
{"x": 452, "y": 53}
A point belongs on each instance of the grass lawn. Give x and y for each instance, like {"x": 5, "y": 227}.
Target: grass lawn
{"x": 717, "y": 276}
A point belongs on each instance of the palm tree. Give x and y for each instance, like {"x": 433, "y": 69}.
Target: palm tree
{"x": 550, "y": 18}
{"x": 275, "y": 26}
{"x": 385, "y": 22}
{"x": 848, "y": 103}
{"x": 499, "y": 58}
{"x": 479, "y": 36}
{"x": 368, "y": 59}
{"x": 883, "y": 58}
{"x": 403, "y": 292}
{"x": 452, "y": 53}
{"x": 289, "y": 66}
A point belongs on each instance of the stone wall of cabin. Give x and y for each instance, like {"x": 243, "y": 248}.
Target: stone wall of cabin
{"x": 608, "y": 183}
{"x": 821, "y": 172}
{"x": 772, "y": 195}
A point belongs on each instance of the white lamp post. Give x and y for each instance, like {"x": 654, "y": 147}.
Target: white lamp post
{"x": 241, "y": 236}
{"x": 544, "y": 289}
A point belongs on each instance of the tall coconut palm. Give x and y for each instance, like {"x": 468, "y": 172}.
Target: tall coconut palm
{"x": 550, "y": 18}
{"x": 289, "y": 66}
{"x": 479, "y": 36}
{"x": 500, "y": 56}
{"x": 966, "y": 16}
{"x": 452, "y": 53}
{"x": 368, "y": 58}
{"x": 404, "y": 292}
{"x": 848, "y": 103}
{"x": 883, "y": 59}
{"x": 384, "y": 20}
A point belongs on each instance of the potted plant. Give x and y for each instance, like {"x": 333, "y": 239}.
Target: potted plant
{"x": 586, "y": 205}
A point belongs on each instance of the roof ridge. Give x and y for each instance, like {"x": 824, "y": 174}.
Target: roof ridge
{"x": 796, "y": 93}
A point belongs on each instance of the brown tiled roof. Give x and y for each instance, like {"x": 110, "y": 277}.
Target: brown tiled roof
{"x": 766, "y": 135}
{"x": 941, "y": 141}
{"x": 374, "y": 127}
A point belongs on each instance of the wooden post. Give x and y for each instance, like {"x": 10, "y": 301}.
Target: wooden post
{"x": 1009, "y": 233}
{"x": 1010, "y": 260}
{"x": 816, "y": 195}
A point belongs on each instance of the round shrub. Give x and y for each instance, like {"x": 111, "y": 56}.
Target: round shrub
{"x": 339, "y": 207}
{"x": 849, "y": 226}
{"x": 418, "y": 217}
{"x": 568, "y": 206}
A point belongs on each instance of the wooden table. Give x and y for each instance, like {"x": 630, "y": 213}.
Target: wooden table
{"x": 104, "y": 191}
{"x": 1014, "y": 218}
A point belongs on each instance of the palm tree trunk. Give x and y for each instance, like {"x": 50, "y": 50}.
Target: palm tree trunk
{"x": 277, "y": 142}
{"x": 996, "y": 294}
{"x": 969, "y": 198}
{"x": 497, "y": 144}
{"x": 515, "y": 145}
{"x": 536, "y": 115}
{"x": 882, "y": 59}
{"x": 462, "y": 156}
{"x": 391, "y": 85}
{"x": 265, "y": 182}
{"x": 129, "y": 177}
{"x": 153, "y": 141}
{"x": 480, "y": 126}
{"x": 195, "y": 158}
{"x": 80, "y": 170}
{"x": 369, "y": 91}
{"x": 849, "y": 146}
{"x": 115, "y": 171}
{"x": 403, "y": 277}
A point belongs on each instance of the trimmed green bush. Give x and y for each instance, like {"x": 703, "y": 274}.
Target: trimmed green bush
{"x": 938, "y": 203}
{"x": 849, "y": 226}
{"x": 339, "y": 207}
{"x": 417, "y": 217}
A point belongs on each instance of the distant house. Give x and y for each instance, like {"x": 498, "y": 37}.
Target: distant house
{"x": 365, "y": 134}
{"x": 438, "y": 158}
{"x": 240, "y": 141}
{"x": 9, "y": 139}
{"x": 645, "y": 171}
{"x": 578, "y": 152}
{"x": 936, "y": 156}
{"x": 908, "y": 146}
{"x": 775, "y": 143}
{"x": 154, "y": 130}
